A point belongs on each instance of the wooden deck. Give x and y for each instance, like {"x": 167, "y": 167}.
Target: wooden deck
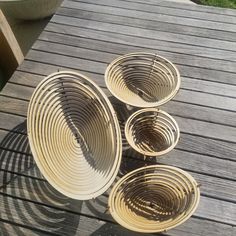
{"x": 85, "y": 36}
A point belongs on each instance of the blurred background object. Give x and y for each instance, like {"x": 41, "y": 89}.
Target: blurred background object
{"x": 21, "y": 21}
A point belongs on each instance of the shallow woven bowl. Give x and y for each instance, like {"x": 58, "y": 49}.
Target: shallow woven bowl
{"x": 74, "y": 135}
{"x": 142, "y": 79}
{"x": 29, "y": 9}
{"x": 154, "y": 198}
{"x": 152, "y": 132}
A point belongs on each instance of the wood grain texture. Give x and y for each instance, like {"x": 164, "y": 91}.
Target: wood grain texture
{"x": 149, "y": 20}
{"x": 58, "y": 33}
{"x": 172, "y": 10}
{"x": 143, "y": 33}
{"x": 195, "y": 8}
{"x": 42, "y": 193}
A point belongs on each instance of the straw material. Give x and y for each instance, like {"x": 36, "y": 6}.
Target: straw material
{"x": 152, "y": 132}
{"x": 142, "y": 79}
{"x": 154, "y": 199}
{"x": 74, "y": 135}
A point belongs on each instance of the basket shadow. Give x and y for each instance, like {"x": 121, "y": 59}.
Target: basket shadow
{"x": 27, "y": 198}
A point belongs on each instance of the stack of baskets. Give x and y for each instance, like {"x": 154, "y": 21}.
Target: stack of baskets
{"x": 76, "y": 140}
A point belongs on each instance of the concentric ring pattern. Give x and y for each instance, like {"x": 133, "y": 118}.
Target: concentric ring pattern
{"x": 152, "y": 132}
{"x": 74, "y": 135}
{"x": 142, "y": 79}
{"x": 154, "y": 198}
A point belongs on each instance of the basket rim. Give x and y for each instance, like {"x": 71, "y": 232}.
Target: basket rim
{"x": 117, "y": 133}
{"x": 156, "y": 166}
{"x": 147, "y": 104}
{"x": 130, "y": 140}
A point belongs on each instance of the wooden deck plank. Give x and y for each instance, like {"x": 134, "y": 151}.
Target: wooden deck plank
{"x": 187, "y": 142}
{"x": 219, "y": 211}
{"x": 61, "y": 222}
{"x": 188, "y": 83}
{"x": 195, "y": 8}
{"x": 141, "y": 43}
{"x": 211, "y": 186}
{"x": 10, "y": 228}
{"x": 60, "y": 33}
{"x": 187, "y": 125}
{"x": 152, "y": 21}
{"x": 177, "y": 108}
{"x": 162, "y": 10}
{"x": 100, "y": 56}
{"x": 211, "y": 100}
{"x": 190, "y": 161}
{"x": 144, "y": 33}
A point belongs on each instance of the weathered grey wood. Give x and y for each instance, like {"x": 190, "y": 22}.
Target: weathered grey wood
{"x": 197, "y": 98}
{"x": 49, "y": 35}
{"x": 197, "y": 8}
{"x": 108, "y": 57}
{"x": 66, "y": 223}
{"x": 19, "y": 107}
{"x": 194, "y": 162}
{"x": 152, "y": 21}
{"x": 8, "y": 229}
{"x": 187, "y": 125}
{"x": 198, "y": 85}
{"x": 144, "y": 33}
{"x": 211, "y": 186}
{"x": 188, "y": 13}
{"x": 191, "y": 161}
{"x": 38, "y": 191}
{"x": 206, "y": 146}
{"x": 13, "y": 105}
{"x": 12, "y": 121}
{"x": 141, "y": 44}
{"x": 187, "y": 142}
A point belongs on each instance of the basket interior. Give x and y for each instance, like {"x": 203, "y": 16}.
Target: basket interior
{"x": 142, "y": 80}
{"x": 74, "y": 135}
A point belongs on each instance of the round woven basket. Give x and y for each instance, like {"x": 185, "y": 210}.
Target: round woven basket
{"x": 154, "y": 198}
{"x": 74, "y": 135}
{"x": 152, "y": 132}
{"x": 142, "y": 79}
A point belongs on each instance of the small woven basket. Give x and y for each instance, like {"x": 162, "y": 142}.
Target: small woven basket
{"x": 154, "y": 198}
{"x": 142, "y": 79}
{"x": 152, "y": 132}
{"x": 74, "y": 135}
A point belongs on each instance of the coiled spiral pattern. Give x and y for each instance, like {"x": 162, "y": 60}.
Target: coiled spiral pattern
{"x": 154, "y": 198}
{"x": 74, "y": 135}
{"x": 142, "y": 79}
{"x": 152, "y": 132}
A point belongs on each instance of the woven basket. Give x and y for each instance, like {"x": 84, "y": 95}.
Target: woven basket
{"x": 29, "y": 9}
{"x": 152, "y": 132}
{"x": 142, "y": 79}
{"x": 74, "y": 135}
{"x": 154, "y": 199}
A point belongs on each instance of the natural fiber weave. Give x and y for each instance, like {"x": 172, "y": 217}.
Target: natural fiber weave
{"x": 154, "y": 198}
{"x": 142, "y": 79}
{"x": 74, "y": 135}
{"x": 152, "y": 132}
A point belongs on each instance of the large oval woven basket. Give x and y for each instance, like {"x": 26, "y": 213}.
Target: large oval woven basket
{"x": 154, "y": 198}
{"x": 152, "y": 132}
{"x": 74, "y": 135}
{"x": 142, "y": 79}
